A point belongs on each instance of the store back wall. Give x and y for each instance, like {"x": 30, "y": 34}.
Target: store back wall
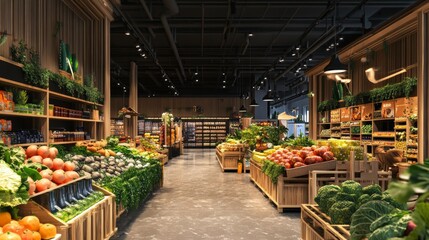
{"x": 182, "y": 107}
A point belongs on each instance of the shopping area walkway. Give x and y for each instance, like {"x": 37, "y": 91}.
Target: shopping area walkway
{"x": 198, "y": 201}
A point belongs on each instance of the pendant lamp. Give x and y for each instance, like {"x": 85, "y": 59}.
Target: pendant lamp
{"x": 242, "y": 109}
{"x": 268, "y": 97}
{"x": 253, "y": 103}
{"x": 335, "y": 66}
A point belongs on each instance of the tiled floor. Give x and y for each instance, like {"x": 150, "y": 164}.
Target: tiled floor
{"x": 198, "y": 201}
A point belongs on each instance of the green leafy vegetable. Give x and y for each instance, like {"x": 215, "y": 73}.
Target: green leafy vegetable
{"x": 341, "y": 212}
{"x": 395, "y": 226}
{"x": 272, "y": 170}
{"x": 365, "y": 216}
{"x": 9, "y": 180}
{"x": 325, "y": 195}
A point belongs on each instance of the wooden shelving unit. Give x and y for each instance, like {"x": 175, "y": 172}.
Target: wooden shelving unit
{"x": 389, "y": 132}
{"x": 200, "y": 133}
{"x": 46, "y": 123}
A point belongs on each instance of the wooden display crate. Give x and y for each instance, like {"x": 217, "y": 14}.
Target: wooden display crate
{"x": 286, "y": 193}
{"x": 96, "y": 222}
{"x": 315, "y": 225}
{"x": 304, "y": 170}
{"x": 229, "y": 160}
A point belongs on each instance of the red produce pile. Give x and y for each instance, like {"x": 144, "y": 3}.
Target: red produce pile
{"x": 298, "y": 158}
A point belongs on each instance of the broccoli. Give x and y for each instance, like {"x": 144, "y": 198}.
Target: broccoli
{"x": 341, "y": 212}
{"x": 372, "y": 189}
{"x": 351, "y": 187}
{"x": 326, "y": 197}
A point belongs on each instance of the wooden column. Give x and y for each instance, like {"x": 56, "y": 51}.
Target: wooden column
{"x": 422, "y": 85}
{"x": 107, "y": 97}
{"x": 133, "y": 99}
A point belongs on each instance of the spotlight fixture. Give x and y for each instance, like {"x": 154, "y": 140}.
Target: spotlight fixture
{"x": 335, "y": 66}
{"x": 137, "y": 46}
{"x": 265, "y": 78}
{"x": 127, "y": 33}
{"x": 139, "y": 50}
{"x": 250, "y": 34}
{"x": 119, "y": 84}
{"x": 341, "y": 39}
{"x": 298, "y": 48}
{"x": 224, "y": 81}
{"x": 196, "y": 80}
{"x": 223, "y": 86}
{"x": 165, "y": 79}
{"x": 281, "y": 59}
{"x": 293, "y": 54}
{"x": 196, "y": 73}
{"x": 310, "y": 58}
{"x": 223, "y": 74}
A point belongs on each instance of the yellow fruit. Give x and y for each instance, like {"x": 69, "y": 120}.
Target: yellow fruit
{"x": 10, "y": 236}
{"x": 47, "y": 231}
{"x": 5, "y": 218}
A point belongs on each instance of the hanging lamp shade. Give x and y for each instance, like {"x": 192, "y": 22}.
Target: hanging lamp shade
{"x": 242, "y": 109}
{"x": 335, "y": 66}
{"x": 253, "y": 103}
{"x": 268, "y": 97}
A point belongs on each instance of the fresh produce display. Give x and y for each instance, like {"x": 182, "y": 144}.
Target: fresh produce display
{"x": 325, "y": 133}
{"x": 355, "y": 129}
{"x": 298, "y": 142}
{"x": 77, "y": 207}
{"x": 54, "y": 171}
{"x": 298, "y": 158}
{"x": 231, "y": 145}
{"x": 99, "y": 167}
{"x": 260, "y": 137}
{"x": 96, "y": 147}
{"x": 16, "y": 177}
{"x": 342, "y": 148}
{"x": 27, "y": 228}
{"x": 134, "y": 185}
{"x": 367, "y": 128}
{"x": 341, "y": 202}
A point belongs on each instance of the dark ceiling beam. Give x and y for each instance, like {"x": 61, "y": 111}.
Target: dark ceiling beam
{"x": 268, "y": 50}
{"x": 171, "y": 9}
{"x": 288, "y": 3}
{"x": 149, "y": 15}
{"x": 156, "y": 81}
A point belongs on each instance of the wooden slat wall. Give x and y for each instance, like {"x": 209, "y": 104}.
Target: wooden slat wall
{"x": 35, "y": 22}
{"x": 85, "y": 26}
{"x": 182, "y": 107}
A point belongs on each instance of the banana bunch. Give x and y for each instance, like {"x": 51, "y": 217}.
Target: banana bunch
{"x": 259, "y": 156}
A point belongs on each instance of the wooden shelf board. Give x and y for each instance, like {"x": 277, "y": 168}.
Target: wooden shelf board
{"x": 17, "y": 114}
{"x": 375, "y": 136}
{"x": 383, "y": 119}
{"x": 22, "y": 85}
{"x": 28, "y": 144}
{"x": 11, "y": 62}
{"x": 63, "y": 96}
{"x": 366, "y": 134}
{"x": 57, "y": 187}
{"x": 69, "y": 142}
{"x": 74, "y": 119}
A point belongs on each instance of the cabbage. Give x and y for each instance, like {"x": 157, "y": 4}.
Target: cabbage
{"x": 9, "y": 180}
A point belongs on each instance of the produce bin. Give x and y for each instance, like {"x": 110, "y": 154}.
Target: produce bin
{"x": 315, "y": 225}
{"x": 286, "y": 193}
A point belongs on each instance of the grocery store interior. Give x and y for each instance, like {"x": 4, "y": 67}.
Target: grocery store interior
{"x": 235, "y": 119}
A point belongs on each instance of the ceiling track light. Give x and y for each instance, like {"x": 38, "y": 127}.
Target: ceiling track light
{"x": 137, "y": 46}
{"x": 127, "y": 33}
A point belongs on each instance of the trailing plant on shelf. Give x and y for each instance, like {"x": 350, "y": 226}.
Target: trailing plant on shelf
{"x": 21, "y": 99}
{"x": 34, "y": 74}
{"x": 350, "y": 100}
{"x": 327, "y": 105}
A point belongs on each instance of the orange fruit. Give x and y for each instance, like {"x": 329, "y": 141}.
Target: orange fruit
{"x": 15, "y": 228}
{"x": 47, "y": 231}
{"x": 30, "y": 222}
{"x": 37, "y": 236}
{"x": 26, "y": 235}
{"x": 14, "y": 222}
{"x": 10, "y": 236}
{"x": 1, "y": 230}
{"x": 5, "y": 218}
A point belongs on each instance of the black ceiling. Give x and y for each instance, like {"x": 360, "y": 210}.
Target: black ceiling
{"x": 212, "y": 38}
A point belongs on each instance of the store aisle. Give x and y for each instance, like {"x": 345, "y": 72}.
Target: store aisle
{"x": 198, "y": 201}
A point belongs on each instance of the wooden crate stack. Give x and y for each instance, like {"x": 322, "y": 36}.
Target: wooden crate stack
{"x": 315, "y": 225}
